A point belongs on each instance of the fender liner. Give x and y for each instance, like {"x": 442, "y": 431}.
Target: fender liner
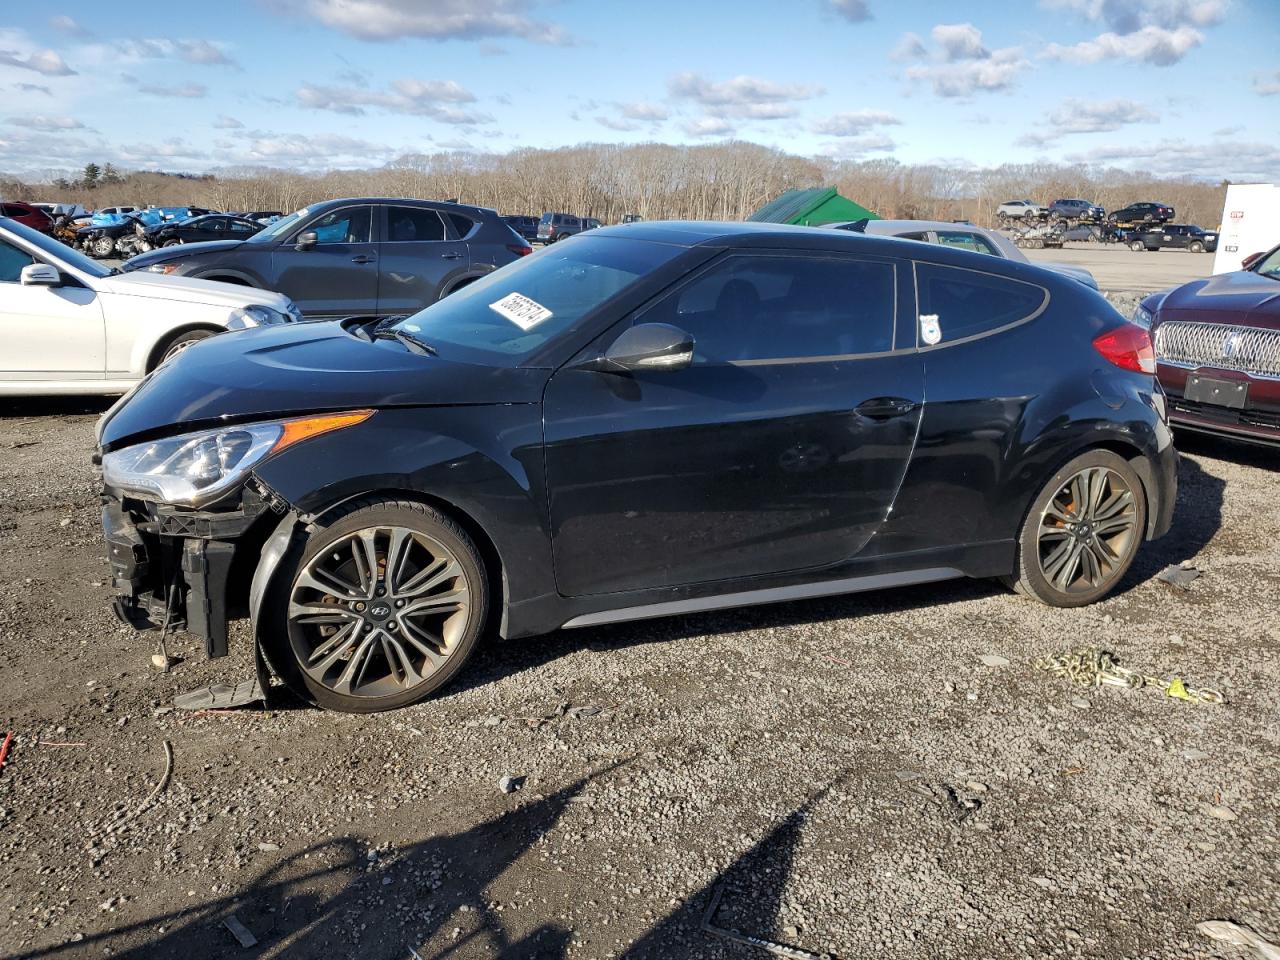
{"x": 273, "y": 551}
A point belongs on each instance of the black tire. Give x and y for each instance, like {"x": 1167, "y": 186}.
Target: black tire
{"x": 172, "y": 243}
{"x": 1137, "y": 246}
{"x": 1196, "y": 246}
{"x": 290, "y": 640}
{"x": 1036, "y": 552}
{"x": 175, "y": 345}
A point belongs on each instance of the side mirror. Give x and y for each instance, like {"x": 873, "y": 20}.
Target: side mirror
{"x": 648, "y": 346}
{"x": 1248, "y": 262}
{"x": 40, "y": 275}
{"x": 305, "y": 240}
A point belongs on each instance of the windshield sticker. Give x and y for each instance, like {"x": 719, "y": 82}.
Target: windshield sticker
{"x": 930, "y": 331}
{"x": 520, "y": 310}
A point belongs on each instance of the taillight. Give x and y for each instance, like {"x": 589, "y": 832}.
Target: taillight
{"x": 1128, "y": 347}
{"x": 519, "y": 251}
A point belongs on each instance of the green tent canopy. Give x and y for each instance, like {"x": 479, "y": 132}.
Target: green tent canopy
{"x": 812, "y": 208}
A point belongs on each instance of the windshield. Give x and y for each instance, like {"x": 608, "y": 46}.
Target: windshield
{"x": 1269, "y": 266}
{"x": 279, "y": 228}
{"x": 516, "y": 310}
{"x": 57, "y": 253}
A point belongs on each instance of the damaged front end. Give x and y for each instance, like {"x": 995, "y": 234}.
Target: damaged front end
{"x": 177, "y": 567}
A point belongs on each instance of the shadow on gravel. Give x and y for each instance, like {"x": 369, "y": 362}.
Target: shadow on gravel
{"x": 751, "y": 902}
{"x": 1224, "y": 448}
{"x": 1197, "y": 516}
{"x": 325, "y": 902}
{"x": 54, "y": 406}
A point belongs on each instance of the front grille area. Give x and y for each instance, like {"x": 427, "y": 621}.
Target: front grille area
{"x": 1251, "y": 350}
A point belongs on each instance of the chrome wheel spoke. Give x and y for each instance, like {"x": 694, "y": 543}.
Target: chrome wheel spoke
{"x": 378, "y": 611}
{"x": 1107, "y": 528}
{"x": 1118, "y": 501}
{"x": 1085, "y": 531}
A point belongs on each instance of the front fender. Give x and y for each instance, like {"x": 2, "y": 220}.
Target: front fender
{"x": 483, "y": 462}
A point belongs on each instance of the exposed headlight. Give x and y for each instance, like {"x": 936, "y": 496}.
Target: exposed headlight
{"x": 162, "y": 268}
{"x": 196, "y": 468}
{"x": 295, "y": 311}
{"x": 1142, "y": 317}
{"x": 242, "y": 318}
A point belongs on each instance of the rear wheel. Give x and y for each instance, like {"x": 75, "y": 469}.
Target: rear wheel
{"x": 383, "y": 607}
{"x": 1137, "y": 246}
{"x": 1082, "y": 532}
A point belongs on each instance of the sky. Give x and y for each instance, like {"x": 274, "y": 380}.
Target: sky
{"x": 1172, "y": 87}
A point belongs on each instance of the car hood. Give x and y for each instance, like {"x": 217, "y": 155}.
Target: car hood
{"x": 180, "y": 253}
{"x": 189, "y": 290}
{"x": 273, "y": 372}
{"x": 1240, "y": 297}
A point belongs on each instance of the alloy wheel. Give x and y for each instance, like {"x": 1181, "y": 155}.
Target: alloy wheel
{"x": 378, "y": 611}
{"x": 1087, "y": 531}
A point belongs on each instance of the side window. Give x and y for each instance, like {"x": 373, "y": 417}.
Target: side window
{"x": 780, "y": 308}
{"x": 406, "y": 224}
{"x": 348, "y": 225}
{"x": 923, "y": 237}
{"x": 968, "y": 303}
{"x": 215, "y": 225}
{"x": 462, "y": 225}
{"x": 965, "y": 241}
{"x": 12, "y": 260}
{"x": 239, "y": 226}
{"x": 571, "y": 222}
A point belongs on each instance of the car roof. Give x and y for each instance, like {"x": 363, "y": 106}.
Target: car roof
{"x": 401, "y": 201}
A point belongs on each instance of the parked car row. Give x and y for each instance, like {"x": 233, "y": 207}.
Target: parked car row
{"x": 1077, "y": 210}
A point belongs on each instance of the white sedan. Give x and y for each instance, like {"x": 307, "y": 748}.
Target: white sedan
{"x": 71, "y": 325}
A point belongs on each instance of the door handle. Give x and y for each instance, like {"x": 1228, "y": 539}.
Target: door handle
{"x": 452, "y": 256}
{"x": 363, "y": 258}
{"x": 885, "y": 408}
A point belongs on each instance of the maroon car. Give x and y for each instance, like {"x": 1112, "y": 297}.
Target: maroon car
{"x": 1218, "y": 350}
{"x": 25, "y": 213}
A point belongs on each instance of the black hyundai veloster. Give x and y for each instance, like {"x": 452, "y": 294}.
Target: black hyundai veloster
{"x": 647, "y": 420}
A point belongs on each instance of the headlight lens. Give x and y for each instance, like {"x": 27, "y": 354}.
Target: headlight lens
{"x": 1142, "y": 317}
{"x": 162, "y": 268}
{"x": 196, "y": 468}
{"x": 242, "y": 318}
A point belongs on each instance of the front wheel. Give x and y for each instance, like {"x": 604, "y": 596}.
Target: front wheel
{"x": 171, "y": 243}
{"x": 1082, "y": 532}
{"x": 103, "y": 246}
{"x": 1197, "y": 247}
{"x": 383, "y": 607}
{"x": 1137, "y": 246}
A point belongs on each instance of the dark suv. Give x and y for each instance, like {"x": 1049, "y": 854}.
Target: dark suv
{"x": 1182, "y": 236}
{"x": 1145, "y": 212}
{"x": 527, "y": 227}
{"x": 362, "y": 256}
{"x": 557, "y": 226}
{"x": 1076, "y": 209}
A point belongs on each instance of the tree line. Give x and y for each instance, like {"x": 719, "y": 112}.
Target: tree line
{"x": 725, "y": 181}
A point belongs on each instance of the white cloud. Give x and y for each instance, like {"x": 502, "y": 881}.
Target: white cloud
{"x": 856, "y": 148}
{"x": 1266, "y": 84}
{"x": 1215, "y": 160}
{"x": 1129, "y": 16}
{"x": 855, "y": 11}
{"x": 741, "y": 98}
{"x": 1157, "y": 46}
{"x": 708, "y": 127}
{"x": 616, "y": 123}
{"x": 33, "y": 88}
{"x": 435, "y": 19}
{"x": 436, "y": 99}
{"x": 855, "y": 123}
{"x": 648, "y": 112}
{"x": 225, "y": 122}
{"x": 959, "y": 41}
{"x": 200, "y": 52}
{"x": 50, "y": 124}
{"x": 64, "y": 24}
{"x": 185, "y": 91}
{"x": 964, "y": 78}
{"x": 909, "y": 47}
{"x": 46, "y": 62}
{"x": 1078, "y": 116}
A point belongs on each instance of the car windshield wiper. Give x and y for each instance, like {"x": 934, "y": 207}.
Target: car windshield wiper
{"x": 408, "y": 339}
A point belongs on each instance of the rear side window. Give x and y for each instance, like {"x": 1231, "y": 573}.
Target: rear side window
{"x": 462, "y": 225}
{"x": 408, "y": 224}
{"x": 956, "y": 304}
{"x": 783, "y": 308}
{"x": 965, "y": 241}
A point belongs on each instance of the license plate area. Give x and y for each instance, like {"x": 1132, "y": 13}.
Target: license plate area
{"x": 1232, "y": 394}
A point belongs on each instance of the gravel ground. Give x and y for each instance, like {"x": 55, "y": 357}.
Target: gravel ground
{"x": 848, "y": 773}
